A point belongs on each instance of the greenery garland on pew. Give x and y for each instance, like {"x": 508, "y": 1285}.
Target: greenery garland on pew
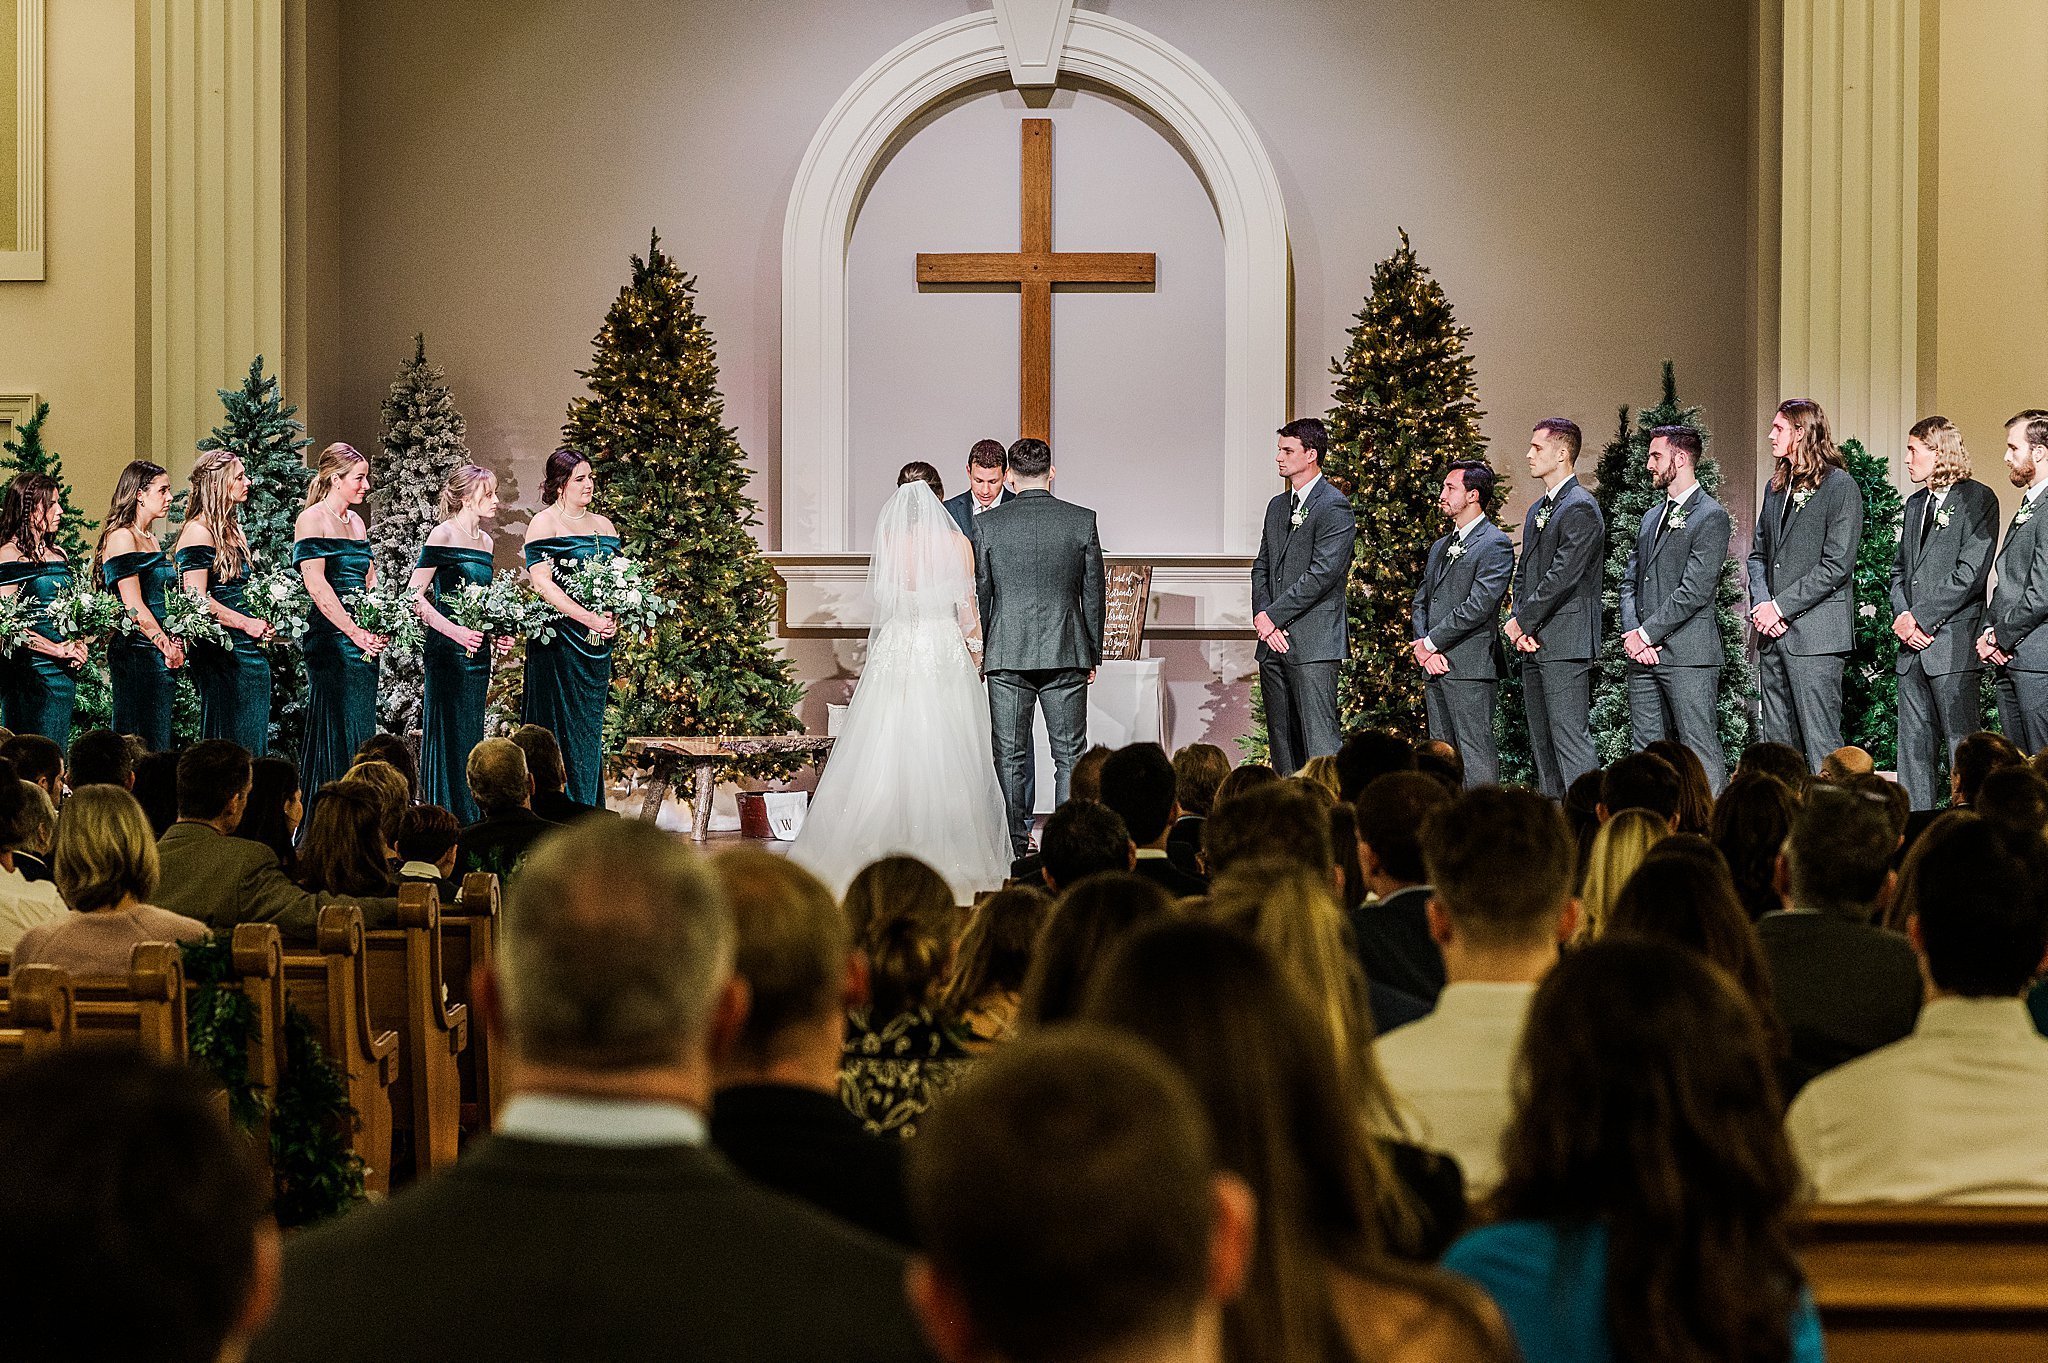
{"x": 316, "y": 1174}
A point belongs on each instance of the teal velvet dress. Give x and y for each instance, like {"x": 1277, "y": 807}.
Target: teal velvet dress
{"x": 142, "y": 682}
{"x": 341, "y": 681}
{"x": 453, "y": 711}
{"x": 566, "y": 680}
{"x": 233, "y": 683}
{"x": 40, "y": 689}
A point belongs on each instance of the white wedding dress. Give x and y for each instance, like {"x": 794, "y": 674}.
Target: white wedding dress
{"x": 912, "y": 771}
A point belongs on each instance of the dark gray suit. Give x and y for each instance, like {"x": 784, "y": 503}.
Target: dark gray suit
{"x": 1298, "y": 581}
{"x": 1457, "y": 608}
{"x": 1804, "y": 559}
{"x": 1038, "y": 574}
{"x": 1668, "y": 593}
{"x": 961, "y": 505}
{"x": 2019, "y": 606}
{"x": 1557, "y": 602}
{"x": 1939, "y": 575}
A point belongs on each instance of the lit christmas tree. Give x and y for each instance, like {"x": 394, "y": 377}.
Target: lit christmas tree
{"x": 25, "y": 452}
{"x": 1870, "y": 688}
{"x": 673, "y": 478}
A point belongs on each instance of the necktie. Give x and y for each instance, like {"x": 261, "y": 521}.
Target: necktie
{"x": 1927, "y": 521}
{"x": 1293, "y": 505}
{"x": 1665, "y": 524}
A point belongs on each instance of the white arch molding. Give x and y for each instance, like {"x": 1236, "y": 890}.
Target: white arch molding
{"x": 848, "y": 148}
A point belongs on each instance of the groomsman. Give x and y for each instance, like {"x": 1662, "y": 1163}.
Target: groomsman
{"x": 2013, "y": 640}
{"x": 1670, "y": 632}
{"x": 986, "y": 488}
{"x": 1556, "y": 619}
{"x": 1298, "y": 600}
{"x": 1802, "y": 563}
{"x": 1944, "y": 559}
{"x": 1457, "y": 620}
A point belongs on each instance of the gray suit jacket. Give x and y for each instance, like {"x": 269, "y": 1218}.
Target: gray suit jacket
{"x": 1943, "y": 582}
{"x": 223, "y": 881}
{"x": 960, "y": 505}
{"x": 1299, "y": 577}
{"x": 1038, "y": 576}
{"x": 2019, "y": 603}
{"x": 1557, "y": 585}
{"x": 1807, "y": 564}
{"x": 1457, "y": 607}
{"x": 1668, "y": 591}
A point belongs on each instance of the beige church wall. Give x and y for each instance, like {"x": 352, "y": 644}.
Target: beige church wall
{"x": 71, "y": 337}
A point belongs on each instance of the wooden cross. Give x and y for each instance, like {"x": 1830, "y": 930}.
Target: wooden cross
{"x": 1034, "y": 270}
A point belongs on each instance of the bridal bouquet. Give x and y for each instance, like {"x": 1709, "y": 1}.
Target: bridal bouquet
{"x": 18, "y": 615}
{"x": 614, "y": 585}
{"x": 186, "y": 618}
{"x": 497, "y": 608}
{"x": 81, "y": 611}
{"x": 279, "y": 596}
{"x": 388, "y": 610}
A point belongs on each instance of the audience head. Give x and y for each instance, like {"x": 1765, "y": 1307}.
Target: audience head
{"x": 1837, "y": 859}
{"x": 1619, "y": 847}
{"x": 1081, "y": 838}
{"x": 1752, "y": 819}
{"x": 344, "y": 847}
{"x": 36, "y": 759}
{"x": 2014, "y": 798}
{"x": 995, "y": 952}
{"x": 134, "y": 1220}
{"x": 1501, "y": 867}
{"x": 1138, "y": 783}
{"x": 1976, "y": 757}
{"x": 105, "y": 856}
{"x": 498, "y": 778}
{"x": 393, "y": 795}
{"x": 429, "y": 833}
{"x": 1978, "y": 911}
{"x": 99, "y": 757}
{"x": 1070, "y": 1206}
{"x": 1325, "y": 798}
{"x": 1320, "y": 772}
{"x": 1243, "y": 777}
{"x": 35, "y": 823}
{"x": 909, "y": 927}
{"x": 1781, "y": 760}
{"x": 156, "y": 788}
{"x": 213, "y": 783}
{"x": 1085, "y": 782}
{"x": 1199, "y": 770}
{"x": 1582, "y": 814}
{"x": 1085, "y": 923}
{"x": 275, "y": 806}
{"x": 1278, "y": 819}
{"x": 616, "y": 956}
{"x": 1390, "y": 813}
{"x": 792, "y": 948}
{"x": 1434, "y": 757}
{"x": 1841, "y": 764}
{"x": 1898, "y": 806}
{"x": 1364, "y": 756}
{"x": 1695, "y": 793}
{"x": 396, "y": 753}
{"x": 16, "y": 823}
{"x": 1351, "y": 886}
{"x": 543, "y": 758}
{"x": 1642, "y": 780}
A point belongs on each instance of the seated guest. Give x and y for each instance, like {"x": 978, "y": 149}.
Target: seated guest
{"x": 1351, "y": 890}
{"x": 1500, "y": 868}
{"x": 1391, "y": 933}
{"x": 1781, "y": 760}
{"x": 1070, "y": 1207}
{"x": 1085, "y": 782}
{"x": 222, "y": 880}
{"x": 901, "y": 1049}
{"x": 394, "y": 797}
{"x": 1618, "y": 848}
{"x": 1953, "y": 1112}
{"x": 126, "y": 1196}
{"x": 1843, "y": 986}
{"x": 1975, "y": 758}
{"x": 1582, "y": 814}
{"x": 37, "y": 759}
{"x": 2016, "y": 799}
{"x": 503, "y": 790}
{"x": 395, "y": 753}
{"x": 107, "y": 868}
{"x": 156, "y": 789}
{"x": 1086, "y": 922}
{"x": 1199, "y": 770}
{"x": 276, "y": 805}
{"x": 1752, "y": 819}
{"x": 550, "y": 776}
{"x": 1646, "y": 1195}
{"x": 1434, "y": 757}
{"x": 23, "y": 903}
{"x": 1139, "y": 785}
{"x": 1320, "y": 771}
{"x": 1081, "y": 838}
{"x": 1243, "y": 777}
{"x": 592, "y": 1221}
{"x": 1843, "y": 763}
{"x": 1276, "y": 819}
{"x": 1289, "y": 1123}
{"x": 344, "y": 850}
{"x": 100, "y": 757}
{"x": 1897, "y": 804}
{"x": 1695, "y": 793}
{"x": 427, "y": 836}
{"x": 1363, "y": 757}
{"x": 994, "y": 958}
{"x": 777, "y": 1114}
{"x": 1642, "y": 780}
{"x": 36, "y": 834}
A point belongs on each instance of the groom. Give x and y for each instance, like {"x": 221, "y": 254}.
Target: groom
{"x": 1038, "y": 573}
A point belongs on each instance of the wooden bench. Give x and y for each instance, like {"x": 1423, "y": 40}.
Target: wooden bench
{"x": 258, "y": 955}
{"x": 38, "y": 1017}
{"x": 331, "y": 986}
{"x": 667, "y": 757}
{"x": 408, "y": 996}
{"x": 1929, "y": 1284}
{"x": 147, "y": 1008}
{"x": 469, "y": 944}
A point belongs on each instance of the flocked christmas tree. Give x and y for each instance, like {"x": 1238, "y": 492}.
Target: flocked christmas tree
{"x": 673, "y": 478}
{"x": 260, "y": 427}
{"x": 422, "y": 442}
{"x": 25, "y": 452}
{"x": 1870, "y": 688}
{"x": 1625, "y": 493}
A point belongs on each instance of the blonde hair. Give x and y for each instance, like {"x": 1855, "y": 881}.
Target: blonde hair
{"x": 462, "y": 485}
{"x": 1619, "y": 847}
{"x": 1323, "y": 772}
{"x": 210, "y": 505}
{"x": 393, "y": 794}
{"x": 1951, "y": 456}
{"x": 104, "y": 849}
{"x": 334, "y": 462}
{"x": 1813, "y": 453}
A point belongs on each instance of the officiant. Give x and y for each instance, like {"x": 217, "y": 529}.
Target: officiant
{"x": 986, "y": 488}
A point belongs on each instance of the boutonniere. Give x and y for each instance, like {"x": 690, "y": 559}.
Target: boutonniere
{"x": 1300, "y": 514}
{"x": 1456, "y": 551}
{"x": 1801, "y": 498}
{"x": 1543, "y": 518}
{"x": 1677, "y": 522}
{"x": 1941, "y": 518}
{"x": 2026, "y": 514}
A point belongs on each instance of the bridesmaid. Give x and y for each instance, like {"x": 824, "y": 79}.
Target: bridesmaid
{"x": 213, "y": 561}
{"x": 331, "y": 547}
{"x": 566, "y": 680}
{"x": 42, "y": 675}
{"x": 457, "y": 551}
{"x": 134, "y": 566}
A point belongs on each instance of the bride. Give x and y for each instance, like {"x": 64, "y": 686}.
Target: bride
{"x": 912, "y": 770}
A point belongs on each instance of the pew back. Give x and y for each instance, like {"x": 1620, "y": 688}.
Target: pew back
{"x": 331, "y": 986}
{"x": 38, "y": 1017}
{"x": 469, "y": 944}
{"x": 407, "y": 996}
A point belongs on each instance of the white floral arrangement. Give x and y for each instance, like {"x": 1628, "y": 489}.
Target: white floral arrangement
{"x": 388, "y": 610}
{"x": 1941, "y": 517}
{"x": 81, "y": 611}
{"x": 186, "y": 618}
{"x": 18, "y": 616}
{"x": 613, "y": 585}
{"x": 1456, "y": 551}
{"x": 279, "y": 596}
{"x": 496, "y": 608}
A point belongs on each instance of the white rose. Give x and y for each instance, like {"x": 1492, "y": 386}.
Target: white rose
{"x": 633, "y": 597}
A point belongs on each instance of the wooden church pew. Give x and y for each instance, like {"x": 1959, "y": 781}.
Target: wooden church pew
{"x": 469, "y": 942}
{"x": 37, "y": 1018}
{"x": 1929, "y": 1284}
{"x": 259, "y": 975}
{"x": 407, "y": 996}
{"x": 331, "y": 986}
{"x": 147, "y": 1008}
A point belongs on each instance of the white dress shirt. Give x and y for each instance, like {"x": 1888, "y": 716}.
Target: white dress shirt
{"x": 25, "y": 904}
{"x": 1957, "y": 1112}
{"x": 1452, "y": 1073}
{"x": 615, "y": 1122}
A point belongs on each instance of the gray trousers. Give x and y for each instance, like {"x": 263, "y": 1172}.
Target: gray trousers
{"x": 1301, "y": 711}
{"x": 2023, "y": 708}
{"x": 1461, "y": 714}
{"x": 1559, "y": 696}
{"x": 1802, "y": 700}
{"x": 1062, "y": 693}
{"x": 1682, "y": 703}
{"x": 1935, "y": 714}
